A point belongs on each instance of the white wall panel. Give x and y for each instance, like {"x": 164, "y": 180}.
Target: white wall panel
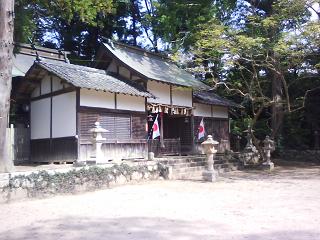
{"x": 40, "y": 119}
{"x": 45, "y": 85}
{"x": 64, "y": 115}
{"x": 133, "y": 103}
{"x": 36, "y": 92}
{"x": 159, "y": 90}
{"x": 112, "y": 67}
{"x": 182, "y": 96}
{"x": 93, "y": 98}
{"x": 206, "y": 110}
{"x": 124, "y": 72}
{"x": 56, "y": 84}
{"x": 219, "y": 112}
{"x": 202, "y": 110}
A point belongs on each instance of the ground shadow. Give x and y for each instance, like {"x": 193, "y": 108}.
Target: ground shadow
{"x": 139, "y": 228}
{"x": 284, "y": 170}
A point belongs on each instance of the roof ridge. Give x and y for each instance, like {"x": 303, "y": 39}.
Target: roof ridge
{"x": 140, "y": 51}
{"x": 68, "y": 65}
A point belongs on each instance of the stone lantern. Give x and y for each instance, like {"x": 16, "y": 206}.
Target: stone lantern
{"x": 208, "y": 148}
{"x": 97, "y": 141}
{"x": 250, "y": 155}
{"x": 268, "y": 147}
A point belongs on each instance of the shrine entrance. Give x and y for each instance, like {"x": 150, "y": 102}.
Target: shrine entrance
{"x": 176, "y": 130}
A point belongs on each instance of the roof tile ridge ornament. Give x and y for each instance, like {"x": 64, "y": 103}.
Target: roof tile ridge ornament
{"x": 109, "y": 41}
{"x": 38, "y": 58}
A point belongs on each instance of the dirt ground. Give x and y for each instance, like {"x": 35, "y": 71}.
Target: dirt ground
{"x": 251, "y": 205}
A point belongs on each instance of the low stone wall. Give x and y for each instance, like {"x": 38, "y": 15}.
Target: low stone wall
{"x": 301, "y": 155}
{"x": 44, "y": 183}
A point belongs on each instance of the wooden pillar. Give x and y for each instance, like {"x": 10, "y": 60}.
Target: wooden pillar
{"x": 192, "y": 134}
{"x": 161, "y": 131}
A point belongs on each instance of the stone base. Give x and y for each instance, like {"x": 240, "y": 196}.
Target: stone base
{"x": 210, "y": 176}
{"x": 84, "y": 163}
{"x": 268, "y": 166}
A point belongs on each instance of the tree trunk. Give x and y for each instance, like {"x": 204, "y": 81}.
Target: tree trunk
{"x": 6, "y": 54}
{"x": 277, "y": 107}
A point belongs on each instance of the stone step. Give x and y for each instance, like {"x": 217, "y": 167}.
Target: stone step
{"x": 173, "y": 162}
{"x": 182, "y": 160}
{"x": 186, "y": 165}
{"x": 218, "y": 167}
{"x": 196, "y": 172}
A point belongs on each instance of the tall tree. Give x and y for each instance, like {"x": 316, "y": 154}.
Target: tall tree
{"x": 75, "y": 25}
{"x": 6, "y": 48}
{"x": 257, "y": 56}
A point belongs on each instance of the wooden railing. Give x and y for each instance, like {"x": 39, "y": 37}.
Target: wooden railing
{"x": 171, "y": 147}
{"x": 117, "y": 149}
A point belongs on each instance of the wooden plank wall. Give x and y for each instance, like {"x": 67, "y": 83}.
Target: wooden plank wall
{"x": 117, "y": 150}
{"x": 54, "y": 150}
{"x": 19, "y": 143}
{"x": 219, "y": 128}
{"x": 126, "y": 138}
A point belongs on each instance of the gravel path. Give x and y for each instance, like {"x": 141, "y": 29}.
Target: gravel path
{"x": 251, "y": 205}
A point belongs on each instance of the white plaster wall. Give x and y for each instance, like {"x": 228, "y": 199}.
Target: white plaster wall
{"x": 40, "y": 119}
{"x": 159, "y": 90}
{"x": 206, "y": 110}
{"x": 93, "y": 98}
{"x": 56, "y": 84}
{"x": 135, "y": 77}
{"x": 64, "y": 115}
{"x": 45, "y": 85}
{"x": 202, "y": 110}
{"x": 124, "y": 72}
{"x": 36, "y": 92}
{"x": 219, "y": 112}
{"x": 112, "y": 67}
{"x": 133, "y": 103}
{"x": 182, "y": 96}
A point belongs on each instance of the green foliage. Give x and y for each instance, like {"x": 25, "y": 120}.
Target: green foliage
{"x": 273, "y": 44}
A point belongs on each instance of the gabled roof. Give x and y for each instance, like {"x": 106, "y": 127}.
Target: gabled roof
{"x": 152, "y": 66}
{"x": 90, "y": 78}
{"x": 208, "y": 97}
{"x": 25, "y": 55}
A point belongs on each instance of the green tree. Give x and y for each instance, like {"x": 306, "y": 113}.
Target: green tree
{"x": 271, "y": 47}
{"x": 75, "y": 25}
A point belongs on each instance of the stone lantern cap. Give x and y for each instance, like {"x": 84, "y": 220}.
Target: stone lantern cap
{"x": 268, "y": 143}
{"x": 208, "y": 145}
{"x": 98, "y": 129}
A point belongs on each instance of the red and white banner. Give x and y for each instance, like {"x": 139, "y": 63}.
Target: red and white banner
{"x": 155, "y": 129}
{"x": 201, "y": 129}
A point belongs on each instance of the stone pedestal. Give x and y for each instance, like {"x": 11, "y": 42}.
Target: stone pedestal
{"x": 268, "y": 147}
{"x": 268, "y": 166}
{"x": 209, "y": 174}
{"x": 150, "y": 156}
{"x": 97, "y": 141}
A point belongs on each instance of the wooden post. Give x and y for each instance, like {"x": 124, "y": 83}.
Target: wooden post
{"x": 161, "y": 131}
{"x": 6, "y": 54}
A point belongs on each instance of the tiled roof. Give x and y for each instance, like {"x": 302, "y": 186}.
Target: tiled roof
{"x": 25, "y": 55}
{"x": 208, "y": 97}
{"x": 91, "y": 78}
{"x": 152, "y": 66}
